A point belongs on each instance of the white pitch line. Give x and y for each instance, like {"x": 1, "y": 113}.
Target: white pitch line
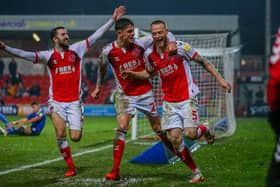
{"x": 55, "y": 160}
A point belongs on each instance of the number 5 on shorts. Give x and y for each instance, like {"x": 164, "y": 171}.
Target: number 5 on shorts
{"x": 194, "y": 114}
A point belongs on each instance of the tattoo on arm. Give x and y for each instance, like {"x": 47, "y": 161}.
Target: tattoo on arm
{"x": 202, "y": 61}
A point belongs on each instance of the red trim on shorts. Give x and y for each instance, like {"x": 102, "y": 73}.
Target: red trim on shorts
{"x": 88, "y": 47}
{"x": 194, "y": 56}
{"x": 37, "y": 58}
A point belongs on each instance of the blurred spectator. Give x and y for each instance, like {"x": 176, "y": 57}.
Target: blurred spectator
{"x": 109, "y": 75}
{"x": 34, "y": 90}
{"x": 259, "y": 96}
{"x": 2, "y": 66}
{"x": 84, "y": 91}
{"x": 15, "y": 80}
{"x": 13, "y": 67}
{"x": 93, "y": 73}
{"x": 3, "y": 90}
{"x": 20, "y": 90}
{"x": 1, "y": 101}
{"x": 11, "y": 90}
{"x": 88, "y": 65}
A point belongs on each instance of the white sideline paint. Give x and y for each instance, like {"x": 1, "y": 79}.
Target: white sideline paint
{"x": 55, "y": 160}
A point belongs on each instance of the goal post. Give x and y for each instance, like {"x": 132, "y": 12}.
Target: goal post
{"x": 215, "y": 105}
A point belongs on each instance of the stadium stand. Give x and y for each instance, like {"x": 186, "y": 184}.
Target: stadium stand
{"x": 43, "y": 81}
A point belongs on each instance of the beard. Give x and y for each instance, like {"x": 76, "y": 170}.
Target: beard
{"x": 63, "y": 43}
{"x": 162, "y": 43}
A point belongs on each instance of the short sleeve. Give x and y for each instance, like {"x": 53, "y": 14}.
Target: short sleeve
{"x": 186, "y": 50}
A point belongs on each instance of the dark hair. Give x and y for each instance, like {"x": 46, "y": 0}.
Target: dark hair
{"x": 35, "y": 103}
{"x": 156, "y": 22}
{"x": 123, "y": 23}
{"x": 53, "y": 31}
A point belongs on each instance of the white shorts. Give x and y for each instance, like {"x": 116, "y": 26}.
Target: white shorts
{"x": 144, "y": 103}
{"x": 180, "y": 115}
{"x": 72, "y": 113}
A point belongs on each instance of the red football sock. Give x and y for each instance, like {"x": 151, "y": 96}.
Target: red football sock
{"x": 187, "y": 158}
{"x": 118, "y": 152}
{"x": 119, "y": 148}
{"x": 201, "y": 130}
{"x": 66, "y": 153}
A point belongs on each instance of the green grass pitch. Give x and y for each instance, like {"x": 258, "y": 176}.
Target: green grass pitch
{"x": 240, "y": 160}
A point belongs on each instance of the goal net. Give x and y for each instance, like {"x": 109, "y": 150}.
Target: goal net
{"x": 215, "y": 105}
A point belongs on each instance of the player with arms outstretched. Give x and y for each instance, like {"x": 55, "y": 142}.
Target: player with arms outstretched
{"x": 179, "y": 102}
{"x": 64, "y": 64}
{"x": 126, "y": 53}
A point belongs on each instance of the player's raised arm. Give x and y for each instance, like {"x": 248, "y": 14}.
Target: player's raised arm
{"x": 147, "y": 41}
{"x": 211, "y": 69}
{"x": 83, "y": 47}
{"x": 99, "y": 32}
{"x": 27, "y": 55}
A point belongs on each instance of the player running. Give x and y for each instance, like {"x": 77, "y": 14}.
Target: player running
{"x": 179, "y": 102}
{"x": 37, "y": 119}
{"x": 126, "y": 53}
{"x": 64, "y": 64}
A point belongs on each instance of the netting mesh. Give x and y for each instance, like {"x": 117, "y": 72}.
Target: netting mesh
{"x": 215, "y": 105}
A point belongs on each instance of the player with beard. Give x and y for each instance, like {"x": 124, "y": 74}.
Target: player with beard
{"x": 64, "y": 64}
{"x": 179, "y": 101}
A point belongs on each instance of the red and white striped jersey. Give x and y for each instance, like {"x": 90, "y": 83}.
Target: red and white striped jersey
{"x": 130, "y": 58}
{"x": 273, "y": 86}
{"x": 64, "y": 70}
{"x": 174, "y": 71}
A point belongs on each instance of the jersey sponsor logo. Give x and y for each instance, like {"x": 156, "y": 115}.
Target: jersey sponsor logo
{"x": 64, "y": 70}
{"x": 130, "y": 65}
{"x": 72, "y": 58}
{"x": 171, "y": 68}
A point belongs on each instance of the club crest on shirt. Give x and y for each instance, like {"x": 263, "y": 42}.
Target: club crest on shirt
{"x": 72, "y": 58}
{"x": 136, "y": 52}
{"x": 54, "y": 62}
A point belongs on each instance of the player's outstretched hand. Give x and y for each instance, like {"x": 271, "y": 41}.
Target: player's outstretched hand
{"x": 172, "y": 48}
{"x": 95, "y": 93}
{"x": 225, "y": 85}
{"x": 118, "y": 13}
{"x": 2, "y": 45}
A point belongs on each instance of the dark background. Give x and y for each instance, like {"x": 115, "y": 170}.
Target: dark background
{"x": 251, "y": 12}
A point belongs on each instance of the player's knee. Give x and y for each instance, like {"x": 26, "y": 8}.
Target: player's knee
{"x": 176, "y": 141}
{"x": 123, "y": 127}
{"x": 191, "y": 133}
{"x": 75, "y": 137}
{"x": 156, "y": 128}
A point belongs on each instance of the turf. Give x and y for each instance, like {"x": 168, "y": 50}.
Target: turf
{"x": 240, "y": 160}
